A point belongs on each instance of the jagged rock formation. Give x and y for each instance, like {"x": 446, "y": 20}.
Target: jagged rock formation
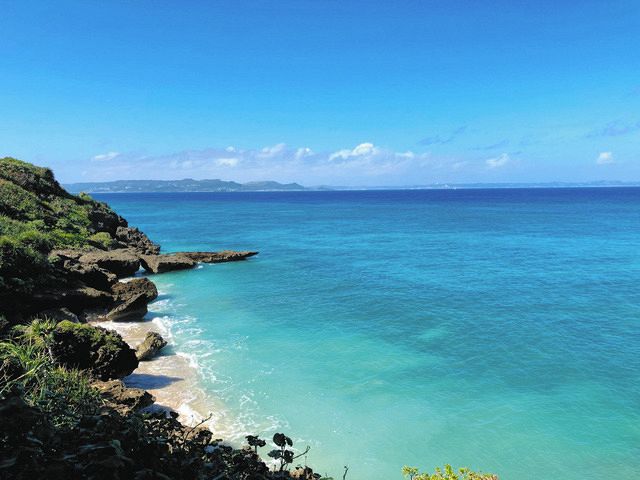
{"x": 122, "y": 262}
{"x": 125, "y": 290}
{"x": 218, "y": 257}
{"x": 135, "y": 239}
{"x": 185, "y": 260}
{"x": 121, "y": 398}
{"x": 60, "y": 258}
{"x": 150, "y": 346}
{"x": 166, "y": 263}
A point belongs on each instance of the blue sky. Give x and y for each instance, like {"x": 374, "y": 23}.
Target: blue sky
{"x": 323, "y": 92}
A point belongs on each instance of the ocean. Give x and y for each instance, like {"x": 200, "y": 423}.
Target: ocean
{"x": 495, "y": 329}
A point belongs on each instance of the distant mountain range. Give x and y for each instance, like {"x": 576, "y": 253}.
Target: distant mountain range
{"x": 216, "y": 185}
{"x": 185, "y": 185}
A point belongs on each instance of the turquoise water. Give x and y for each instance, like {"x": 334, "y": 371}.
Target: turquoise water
{"x": 496, "y": 329}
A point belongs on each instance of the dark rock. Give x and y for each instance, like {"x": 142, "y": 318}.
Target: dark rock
{"x": 218, "y": 257}
{"x": 103, "y": 352}
{"x": 58, "y": 315}
{"x": 89, "y": 274}
{"x": 131, "y": 299}
{"x": 124, "y": 290}
{"x": 151, "y": 345}
{"x": 148, "y": 474}
{"x": 76, "y": 299}
{"x": 122, "y": 398}
{"x": 137, "y": 240}
{"x": 166, "y": 263}
{"x": 122, "y": 262}
{"x": 132, "y": 308}
{"x": 103, "y": 219}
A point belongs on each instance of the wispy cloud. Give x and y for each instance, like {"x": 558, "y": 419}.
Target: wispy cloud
{"x": 443, "y": 139}
{"x": 605, "y": 158}
{"x": 615, "y": 129}
{"x": 103, "y": 157}
{"x": 493, "y": 146}
{"x": 498, "y": 162}
{"x": 279, "y": 162}
{"x": 365, "y": 163}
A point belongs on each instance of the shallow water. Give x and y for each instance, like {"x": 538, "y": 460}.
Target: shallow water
{"x": 496, "y": 329}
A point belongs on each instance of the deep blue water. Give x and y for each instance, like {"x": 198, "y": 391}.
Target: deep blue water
{"x": 497, "y": 329}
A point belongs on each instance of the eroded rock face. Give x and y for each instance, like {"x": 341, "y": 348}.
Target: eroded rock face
{"x": 131, "y": 299}
{"x": 151, "y": 345}
{"x": 102, "y": 352}
{"x": 218, "y": 257}
{"x": 137, "y": 240}
{"x": 122, "y": 398}
{"x": 103, "y": 219}
{"x": 166, "y": 263}
{"x": 124, "y": 290}
{"x": 76, "y": 299}
{"x": 133, "y": 308}
{"x": 121, "y": 262}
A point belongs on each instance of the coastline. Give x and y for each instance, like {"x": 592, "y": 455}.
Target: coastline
{"x": 171, "y": 377}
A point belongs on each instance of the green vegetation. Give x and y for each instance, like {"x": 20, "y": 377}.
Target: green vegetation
{"x": 95, "y": 349}
{"x": 447, "y": 473}
{"x": 38, "y": 215}
{"x": 27, "y": 368}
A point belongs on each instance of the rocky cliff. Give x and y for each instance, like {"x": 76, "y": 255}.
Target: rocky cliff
{"x": 64, "y": 413}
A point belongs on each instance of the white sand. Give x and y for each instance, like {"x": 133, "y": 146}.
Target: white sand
{"x": 170, "y": 377}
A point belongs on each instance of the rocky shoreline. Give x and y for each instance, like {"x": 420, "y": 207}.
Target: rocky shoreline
{"x": 66, "y": 264}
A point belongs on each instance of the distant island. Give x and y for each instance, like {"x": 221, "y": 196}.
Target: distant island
{"x": 184, "y": 185}
{"x": 217, "y": 185}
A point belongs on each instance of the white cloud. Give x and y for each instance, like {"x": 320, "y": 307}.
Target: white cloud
{"x": 227, "y": 162}
{"x": 270, "y": 152}
{"x": 497, "y": 162}
{"x": 362, "y": 150}
{"x": 303, "y": 152}
{"x": 605, "y": 158}
{"x": 365, "y": 163}
{"x": 103, "y": 157}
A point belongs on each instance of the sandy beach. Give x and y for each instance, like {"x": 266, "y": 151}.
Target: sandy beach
{"x": 170, "y": 377}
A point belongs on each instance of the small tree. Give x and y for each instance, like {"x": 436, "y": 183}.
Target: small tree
{"x": 255, "y": 441}
{"x": 282, "y": 453}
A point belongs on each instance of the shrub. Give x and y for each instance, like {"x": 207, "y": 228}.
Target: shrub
{"x": 447, "y": 473}
{"x": 65, "y": 395}
{"x": 102, "y": 240}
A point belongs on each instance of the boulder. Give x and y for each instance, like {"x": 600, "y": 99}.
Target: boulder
{"x": 124, "y": 290}
{"x": 131, "y": 308}
{"x": 166, "y": 263}
{"x": 122, "y": 262}
{"x": 218, "y": 257}
{"x": 100, "y": 351}
{"x": 137, "y": 240}
{"x": 151, "y": 345}
{"x": 122, "y": 398}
